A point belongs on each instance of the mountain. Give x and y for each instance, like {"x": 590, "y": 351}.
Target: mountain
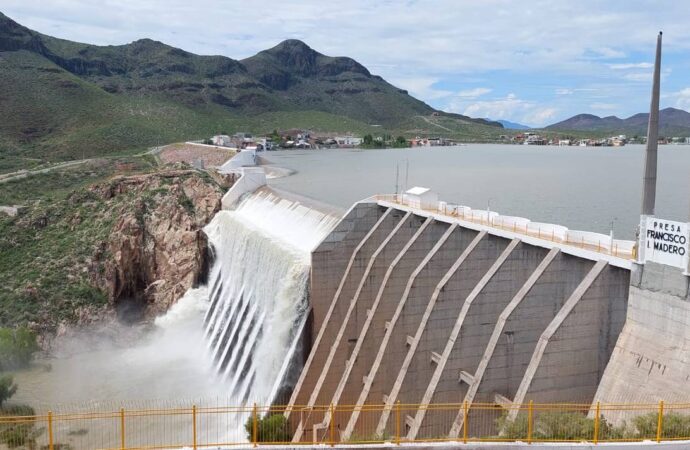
{"x": 68, "y": 99}
{"x": 672, "y": 122}
{"x": 508, "y": 125}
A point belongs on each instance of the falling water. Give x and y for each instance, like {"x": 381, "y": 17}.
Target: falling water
{"x": 258, "y": 290}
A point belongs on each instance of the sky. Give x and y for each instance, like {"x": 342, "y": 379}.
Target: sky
{"x": 533, "y": 62}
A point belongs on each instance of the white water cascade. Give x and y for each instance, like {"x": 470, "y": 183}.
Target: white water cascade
{"x": 258, "y": 301}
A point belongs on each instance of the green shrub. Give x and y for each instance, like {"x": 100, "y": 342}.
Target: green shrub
{"x": 19, "y": 434}
{"x": 674, "y": 425}
{"x": 7, "y": 388}
{"x": 17, "y": 347}
{"x": 557, "y": 426}
{"x": 272, "y": 428}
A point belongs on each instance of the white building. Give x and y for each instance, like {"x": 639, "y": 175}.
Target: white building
{"x": 421, "y": 197}
{"x": 348, "y": 141}
{"x": 221, "y": 139}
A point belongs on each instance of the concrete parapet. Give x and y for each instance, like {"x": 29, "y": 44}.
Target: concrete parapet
{"x": 251, "y": 179}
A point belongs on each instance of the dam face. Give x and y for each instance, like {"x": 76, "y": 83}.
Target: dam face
{"x": 416, "y": 307}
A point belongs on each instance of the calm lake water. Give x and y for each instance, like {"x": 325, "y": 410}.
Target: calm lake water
{"x": 583, "y": 188}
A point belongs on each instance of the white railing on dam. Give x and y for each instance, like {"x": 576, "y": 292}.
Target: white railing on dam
{"x": 587, "y": 240}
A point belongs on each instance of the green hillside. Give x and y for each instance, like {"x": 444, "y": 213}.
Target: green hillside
{"x": 67, "y": 100}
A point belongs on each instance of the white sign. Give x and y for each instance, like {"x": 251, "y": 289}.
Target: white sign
{"x": 667, "y": 242}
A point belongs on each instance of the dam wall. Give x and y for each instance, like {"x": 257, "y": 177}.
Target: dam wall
{"x": 414, "y": 306}
{"x": 651, "y": 360}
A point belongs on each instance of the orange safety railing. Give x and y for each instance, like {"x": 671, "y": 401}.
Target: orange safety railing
{"x": 601, "y": 246}
{"x": 197, "y": 427}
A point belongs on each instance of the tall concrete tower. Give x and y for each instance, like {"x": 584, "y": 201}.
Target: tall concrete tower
{"x": 649, "y": 191}
{"x": 650, "y": 165}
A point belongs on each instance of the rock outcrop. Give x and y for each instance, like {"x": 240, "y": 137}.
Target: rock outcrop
{"x": 156, "y": 249}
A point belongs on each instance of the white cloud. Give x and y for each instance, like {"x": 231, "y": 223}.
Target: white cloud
{"x": 638, "y": 76}
{"x": 564, "y": 91}
{"x": 473, "y": 93}
{"x": 510, "y": 107}
{"x": 421, "y": 87}
{"x": 683, "y": 99}
{"x": 540, "y": 116}
{"x": 631, "y": 66}
{"x": 607, "y": 52}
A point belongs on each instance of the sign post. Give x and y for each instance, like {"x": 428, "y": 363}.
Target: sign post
{"x": 666, "y": 242}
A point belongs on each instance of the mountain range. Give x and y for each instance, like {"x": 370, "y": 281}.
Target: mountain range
{"x": 66, "y": 99}
{"x": 672, "y": 122}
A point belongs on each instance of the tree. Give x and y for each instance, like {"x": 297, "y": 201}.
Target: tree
{"x": 17, "y": 347}
{"x": 368, "y": 140}
{"x": 7, "y": 388}
{"x": 400, "y": 142}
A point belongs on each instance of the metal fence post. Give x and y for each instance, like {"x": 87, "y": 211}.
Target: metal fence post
{"x": 596, "y": 424}
{"x": 122, "y": 428}
{"x": 530, "y": 420}
{"x": 397, "y": 423}
{"x": 332, "y": 426}
{"x": 194, "y": 426}
{"x": 465, "y": 418}
{"x": 50, "y": 430}
{"x": 660, "y": 422}
{"x": 255, "y": 425}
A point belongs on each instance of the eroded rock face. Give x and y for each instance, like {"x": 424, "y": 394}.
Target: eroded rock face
{"x": 157, "y": 249}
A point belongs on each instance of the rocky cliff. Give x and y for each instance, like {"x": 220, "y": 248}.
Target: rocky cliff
{"x": 124, "y": 247}
{"x": 156, "y": 249}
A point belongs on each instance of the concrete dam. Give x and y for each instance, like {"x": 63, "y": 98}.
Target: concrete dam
{"x": 405, "y": 303}
{"x": 415, "y": 306}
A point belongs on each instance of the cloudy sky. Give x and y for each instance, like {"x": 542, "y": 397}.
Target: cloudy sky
{"x": 534, "y": 62}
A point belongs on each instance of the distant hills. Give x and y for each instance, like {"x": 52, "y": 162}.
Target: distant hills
{"x": 513, "y": 125}
{"x": 672, "y": 122}
{"x": 62, "y": 99}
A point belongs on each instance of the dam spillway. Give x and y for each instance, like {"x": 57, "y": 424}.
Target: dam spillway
{"x": 258, "y": 286}
{"x": 414, "y": 306}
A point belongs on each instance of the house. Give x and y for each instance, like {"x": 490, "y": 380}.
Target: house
{"x": 222, "y": 140}
{"x": 348, "y": 141}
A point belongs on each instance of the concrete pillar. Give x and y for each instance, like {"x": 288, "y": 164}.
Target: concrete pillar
{"x": 549, "y": 332}
{"x": 327, "y": 318}
{"x": 327, "y": 365}
{"x": 369, "y": 316}
{"x": 498, "y": 330}
{"x": 389, "y": 330}
{"x": 431, "y": 388}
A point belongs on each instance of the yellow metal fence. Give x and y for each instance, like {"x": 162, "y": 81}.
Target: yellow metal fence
{"x": 253, "y": 426}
